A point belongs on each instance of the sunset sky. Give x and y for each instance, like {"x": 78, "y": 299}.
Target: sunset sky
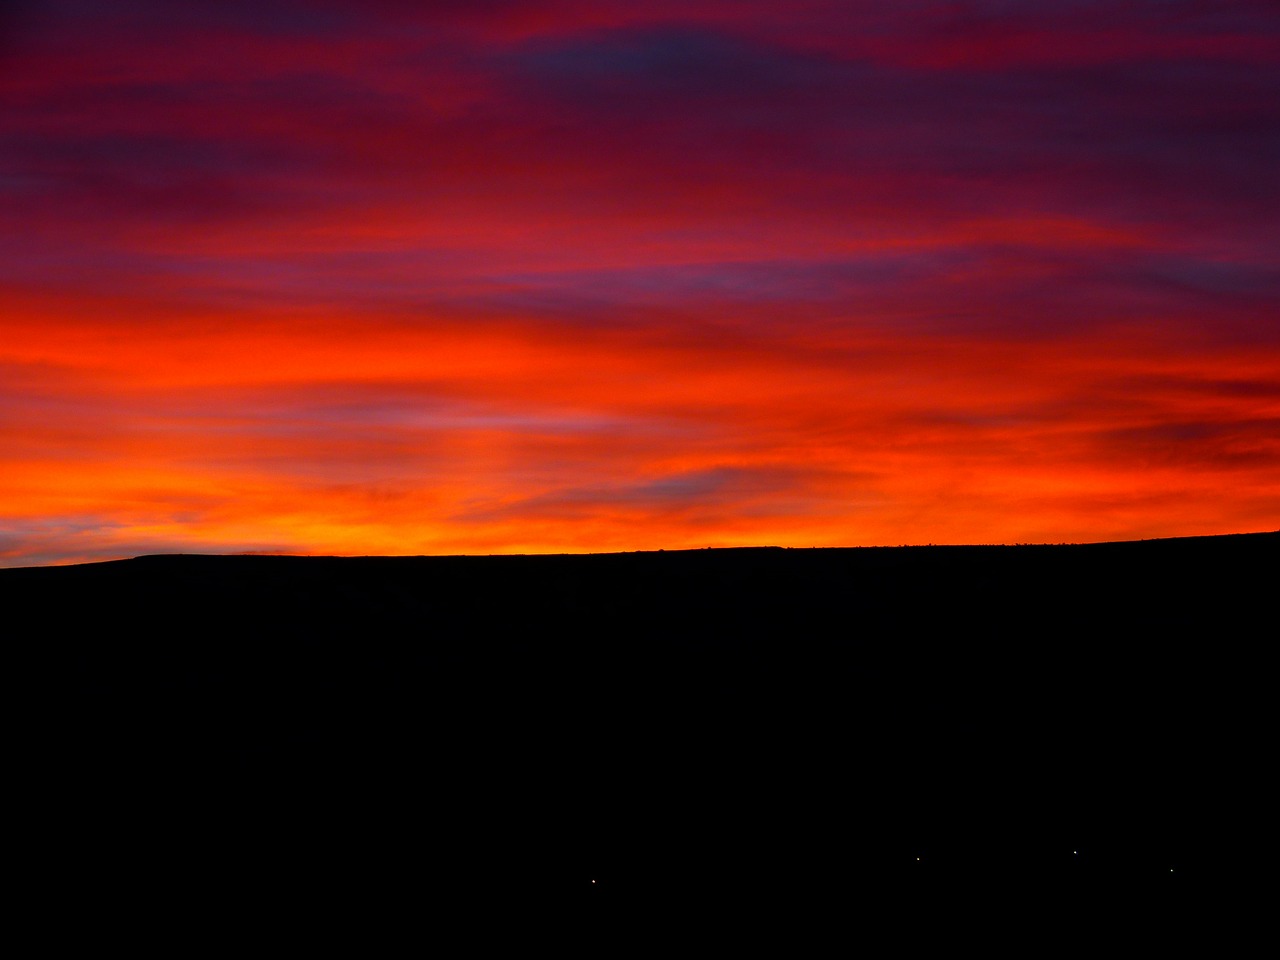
{"x": 390, "y": 277}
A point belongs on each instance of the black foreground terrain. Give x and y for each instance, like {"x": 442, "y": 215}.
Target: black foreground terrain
{"x": 866, "y": 726}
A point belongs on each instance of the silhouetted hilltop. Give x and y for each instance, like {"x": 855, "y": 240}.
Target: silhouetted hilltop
{"x": 1069, "y": 714}
{"x": 693, "y": 593}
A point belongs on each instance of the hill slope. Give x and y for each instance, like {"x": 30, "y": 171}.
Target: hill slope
{"x": 869, "y": 719}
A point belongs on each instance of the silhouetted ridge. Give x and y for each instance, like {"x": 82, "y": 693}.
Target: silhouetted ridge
{"x": 743, "y": 714}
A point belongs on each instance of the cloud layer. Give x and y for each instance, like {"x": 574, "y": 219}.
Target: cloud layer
{"x": 332, "y": 277}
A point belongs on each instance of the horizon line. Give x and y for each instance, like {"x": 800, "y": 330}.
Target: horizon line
{"x": 617, "y": 553}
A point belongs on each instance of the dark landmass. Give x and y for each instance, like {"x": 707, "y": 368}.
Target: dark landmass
{"x": 868, "y": 726}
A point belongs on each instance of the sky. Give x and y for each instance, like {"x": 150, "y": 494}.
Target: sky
{"x": 389, "y": 277}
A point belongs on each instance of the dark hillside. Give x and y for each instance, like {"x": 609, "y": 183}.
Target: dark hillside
{"x": 1032, "y": 717}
